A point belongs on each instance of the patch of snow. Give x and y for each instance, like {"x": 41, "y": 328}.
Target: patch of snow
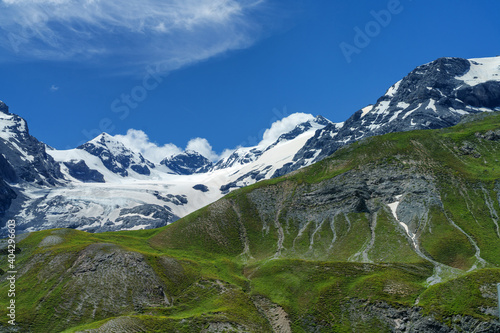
{"x": 403, "y": 105}
{"x": 395, "y": 115}
{"x": 138, "y": 227}
{"x": 373, "y": 127}
{"x": 392, "y": 90}
{"x": 462, "y": 112}
{"x": 382, "y": 107}
{"x": 482, "y": 70}
{"x": 339, "y": 125}
{"x": 393, "y": 207}
{"x": 431, "y": 105}
{"x": 365, "y": 110}
{"x": 411, "y": 111}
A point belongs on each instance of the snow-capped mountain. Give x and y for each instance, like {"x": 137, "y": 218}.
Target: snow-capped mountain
{"x": 116, "y": 157}
{"x": 246, "y": 155}
{"x": 104, "y": 185}
{"x": 434, "y": 95}
{"x": 25, "y": 153}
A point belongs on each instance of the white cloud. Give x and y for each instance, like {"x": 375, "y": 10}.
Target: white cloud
{"x": 54, "y": 88}
{"x": 283, "y": 126}
{"x": 172, "y": 33}
{"x": 226, "y": 153}
{"x": 138, "y": 141}
{"x": 203, "y": 147}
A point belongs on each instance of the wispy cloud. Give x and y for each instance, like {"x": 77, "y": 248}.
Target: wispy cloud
{"x": 172, "y": 33}
{"x": 54, "y": 88}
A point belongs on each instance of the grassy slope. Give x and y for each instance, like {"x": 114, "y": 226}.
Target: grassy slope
{"x": 208, "y": 246}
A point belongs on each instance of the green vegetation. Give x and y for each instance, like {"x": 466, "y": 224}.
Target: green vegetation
{"x": 324, "y": 265}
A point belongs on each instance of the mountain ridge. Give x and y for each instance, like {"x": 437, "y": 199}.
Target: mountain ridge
{"x": 434, "y": 95}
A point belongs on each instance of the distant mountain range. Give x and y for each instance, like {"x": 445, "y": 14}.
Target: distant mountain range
{"x": 103, "y": 185}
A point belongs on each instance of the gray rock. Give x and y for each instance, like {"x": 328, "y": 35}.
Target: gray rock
{"x": 187, "y": 163}
{"x": 79, "y": 170}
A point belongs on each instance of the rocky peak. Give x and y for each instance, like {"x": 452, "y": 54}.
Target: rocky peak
{"x": 116, "y": 157}
{"x": 4, "y": 108}
{"x": 24, "y": 153}
{"x": 322, "y": 120}
{"x": 187, "y": 163}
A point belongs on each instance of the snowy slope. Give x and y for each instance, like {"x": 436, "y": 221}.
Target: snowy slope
{"x": 481, "y": 71}
{"x": 103, "y": 192}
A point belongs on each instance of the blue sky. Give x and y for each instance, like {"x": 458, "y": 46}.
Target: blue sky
{"x": 223, "y": 70}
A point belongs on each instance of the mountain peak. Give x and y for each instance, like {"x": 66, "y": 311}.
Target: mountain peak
{"x": 103, "y": 137}
{"x": 4, "y": 108}
{"x": 190, "y": 152}
{"x": 115, "y": 156}
{"x": 321, "y": 120}
{"x": 187, "y": 163}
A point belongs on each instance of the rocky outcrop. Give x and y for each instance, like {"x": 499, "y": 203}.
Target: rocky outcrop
{"x": 95, "y": 283}
{"x": 7, "y": 194}
{"x": 201, "y": 187}
{"x": 413, "y": 320}
{"x": 243, "y": 180}
{"x": 79, "y": 170}
{"x": 187, "y": 163}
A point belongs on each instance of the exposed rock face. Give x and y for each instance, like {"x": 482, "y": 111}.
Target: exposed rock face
{"x": 24, "y": 153}
{"x": 412, "y": 320}
{"x": 490, "y": 135}
{"x": 7, "y": 174}
{"x": 201, "y": 187}
{"x": 6, "y": 196}
{"x": 187, "y": 163}
{"x": 81, "y": 171}
{"x": 240, "y": 182}
{"x": 358, "y": 191}
{"x": 97, "y": 282}
{"x": 274, "y": 313}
